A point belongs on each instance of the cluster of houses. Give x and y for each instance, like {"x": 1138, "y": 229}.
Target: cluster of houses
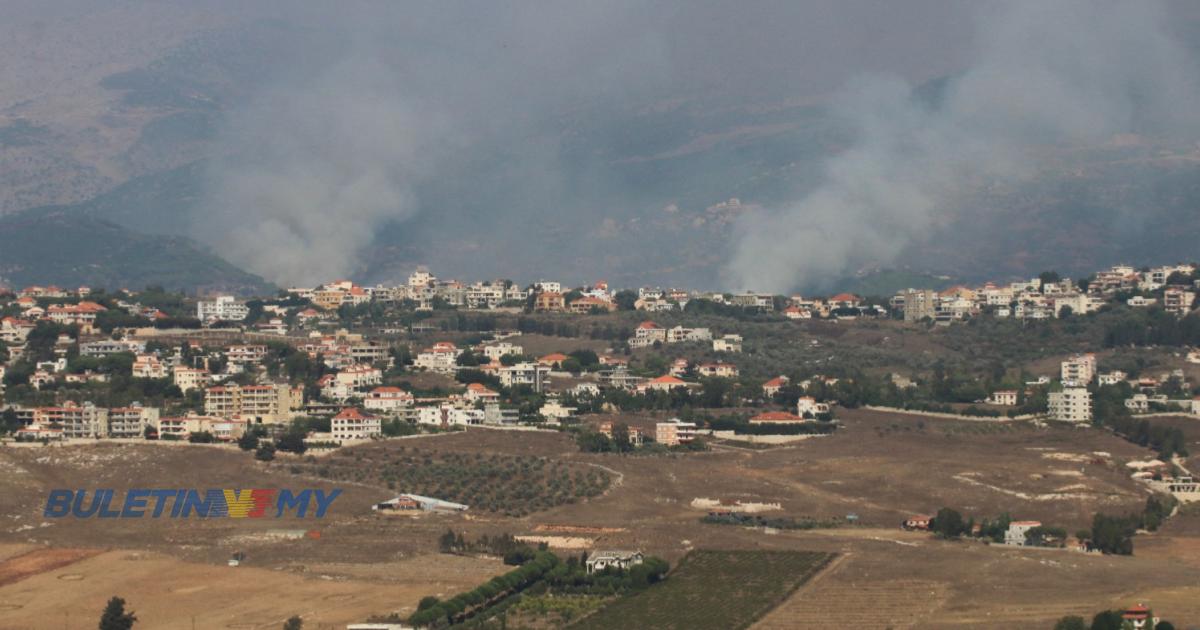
{"x": 1035, "y": 299}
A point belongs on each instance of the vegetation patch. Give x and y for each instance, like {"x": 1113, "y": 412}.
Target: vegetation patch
{"x": 508, "y": 484}
{"x": 713, "y": 589}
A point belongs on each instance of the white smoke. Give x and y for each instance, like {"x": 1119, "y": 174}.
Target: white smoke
{"x": 1046, "y": 72}
{"x": 318, "y": 167}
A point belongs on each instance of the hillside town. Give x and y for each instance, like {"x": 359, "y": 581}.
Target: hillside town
{"x": 339, "y": 354}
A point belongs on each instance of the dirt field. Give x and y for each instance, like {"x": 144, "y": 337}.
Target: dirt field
{"x": 882, "y": 467}
{"x": 167, "y": 593}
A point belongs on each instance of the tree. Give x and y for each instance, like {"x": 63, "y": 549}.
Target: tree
{"x": 293, "y": 623}
{"x": 248, "y": 441}
{"x": 948, "y": 523}
{"x": 428, "y": 601}
{"x": 201, "y": 437}
{"x": 292, "y": 441}
{"x": 265, "y": 452}
{"x": 1107, "y": 620}
{"x": 626, "y": 299}
{"x": 1071, "y": 623}
{"x": 1164, "y": 625}
{"x": 115, "y": 617}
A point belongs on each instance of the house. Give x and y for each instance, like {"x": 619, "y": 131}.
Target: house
{"x": 647, "y": 334}
{"x": 674, "y": 432}
{"x": 479, "y": 393}
{"x": 808, "y": 407}
{"x": 718, "y": 370}
{"x": 1072, "y": 404}
{"x": 1138, "y": 617}
{"x": 553, "y": 410}
{"x": 387, "y": 399}
{"x": 504, "y": 348}
{"x": 549, "y": 302}
{"x": 679, "y": 334}
{"x": 622, "y": 560}
{"x": 663, "y": 383}
{"x": 919, "y": 522}
{"x": 1005, "y": 397}
{"x": 636, "y": 437}
{"x": 588, "y": 304}
{"x": 1111, "y": 378}
{"x": 359, "y": 377}
{"x": 352, "y": 424}
{"x": 796, "y": 312}
{"x": 774, "y": 386}
{"x": 148, "y": 366}
{"x": 441, "y": 357}
{"x": 728, "y": 343}
{"x": 187, "y": 379}
{"x": 844, "y": 300}
{"x": 1015, "y": 535}
{"x": 679, "y": 367}
{"x": 553, "y": 360}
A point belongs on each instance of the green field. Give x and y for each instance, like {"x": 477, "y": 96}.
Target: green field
{"x": 721, "y": 590}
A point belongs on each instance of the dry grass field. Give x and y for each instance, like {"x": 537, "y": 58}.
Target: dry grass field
{"x": 881, "y": 467}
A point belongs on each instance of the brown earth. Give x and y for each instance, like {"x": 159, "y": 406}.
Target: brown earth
{"x": 882, "y": 467}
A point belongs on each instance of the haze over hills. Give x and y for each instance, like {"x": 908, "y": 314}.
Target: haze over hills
{"x": 523, "y": 145}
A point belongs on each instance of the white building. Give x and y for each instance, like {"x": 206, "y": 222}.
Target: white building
{"x": 447, "y": 414}
{"x": 388, "y": 399}
{"x": 808, "y": 407}
{"x": 674, "y": 432}
{"x": 442, "y": 357}
{"x": 728, "y": 343}
{"x": 495, "y": 351}
{"x": 1004, "y": 397}
{"x": 1015, "y": 535}
{"x": 602, "y": 560}
{"x": 224, "y": 308}
{"x": 1072, "y": 404}
{"x": 1079, "y": 370}
{"x": 148, "y": 366}
{"x": 535, "y": 375}
{"x": 352, "y": 424}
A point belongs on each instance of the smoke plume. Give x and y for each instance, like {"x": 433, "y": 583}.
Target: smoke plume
{"x": 1045, "y": 73}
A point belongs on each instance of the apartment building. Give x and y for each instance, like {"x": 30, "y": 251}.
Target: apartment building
{"x": 535, "y": 375}
{"x": 262, "y": 404}
{"x": 1079, "y": 370}
{"x": 674, "y": 432}
{"x": 224, "y": 308}
{"x": 1072, "y": 404}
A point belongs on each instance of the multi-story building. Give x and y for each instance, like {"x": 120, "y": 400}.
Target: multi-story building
{"x": 918, "y": 304}
{"x": 1079, "y": 370}
{"x": 186, "y": 378}
{"x": 1178, "y": 301}
{"x": 352, "y": 424}
{"x": 388, "y": 399}
{"x": 647, "y": 334}
{"x": 448, "y": 414}
{"x": 1072, "y": 404}
{"x": 679, "y": 334}
{"x": 261, "y": 404}
{"x": 674, "y": 432}
{"x": 442, "y": 357}
{"x": 224, "y": 308}
{"x": 246, "y": 354}
{"x": 535, "y": 375}
{"x": 90, "y": 421}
